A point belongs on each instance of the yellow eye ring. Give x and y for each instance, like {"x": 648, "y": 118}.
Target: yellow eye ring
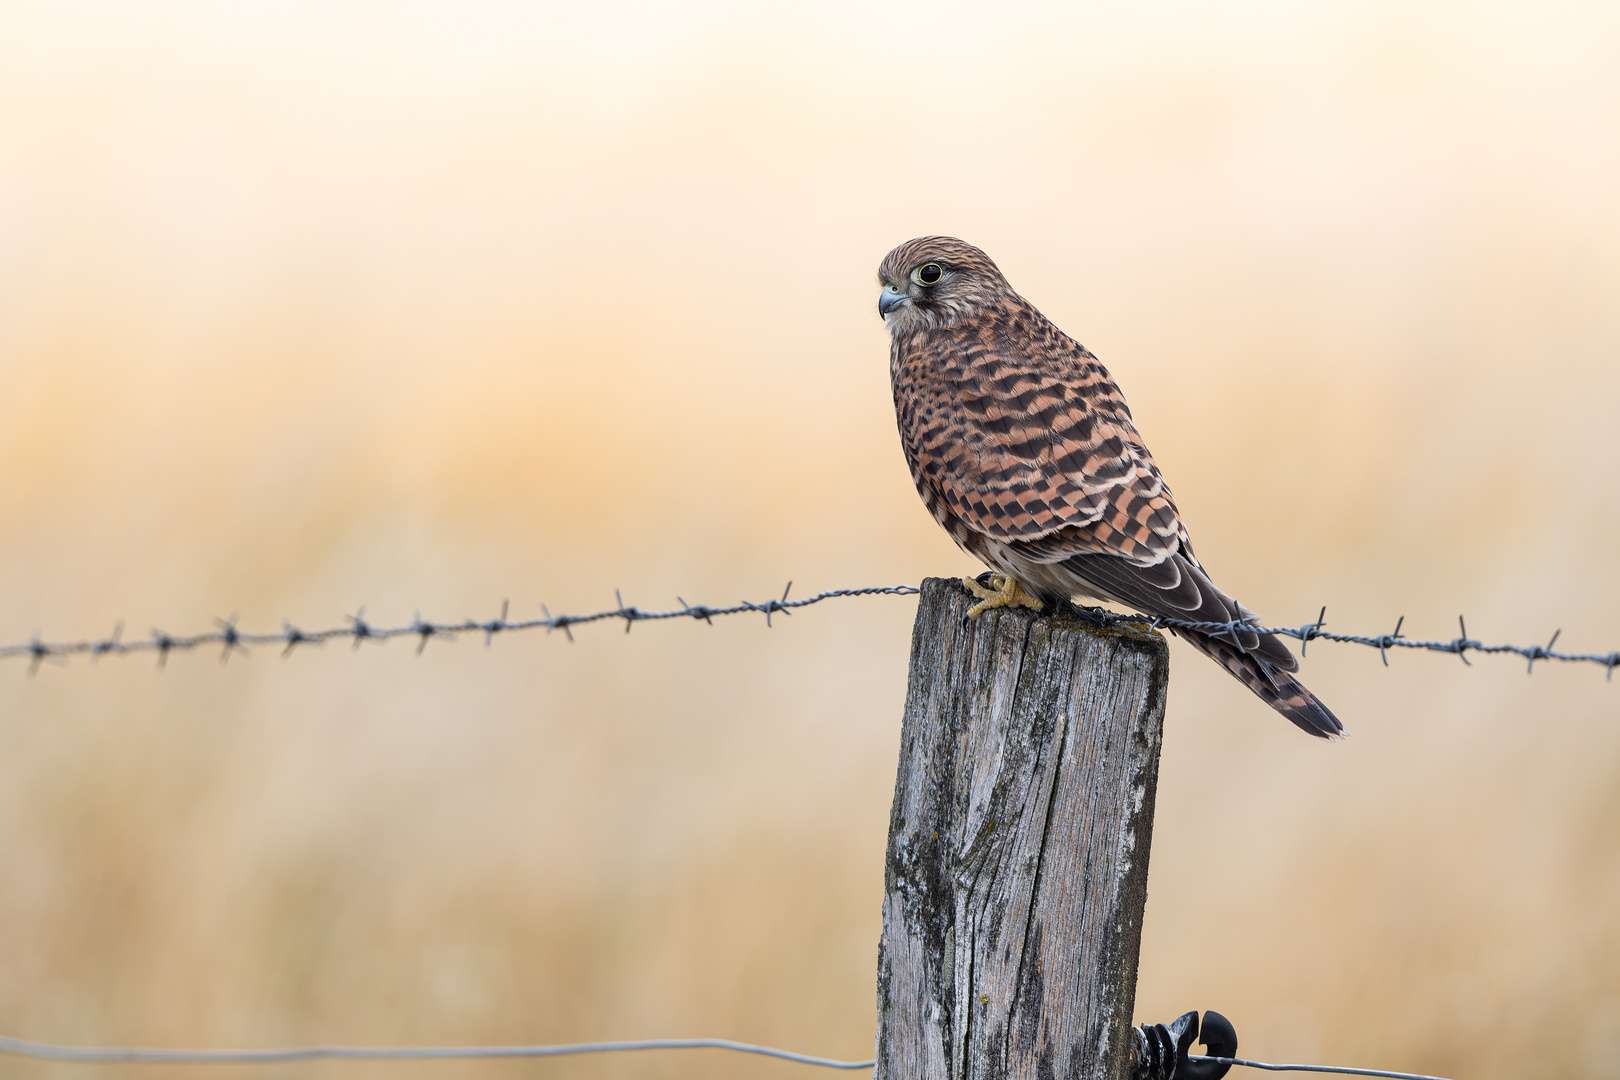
{"x": 928, "y": 274}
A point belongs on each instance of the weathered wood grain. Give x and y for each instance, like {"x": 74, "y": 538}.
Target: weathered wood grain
{"x": 1018, "y": 845}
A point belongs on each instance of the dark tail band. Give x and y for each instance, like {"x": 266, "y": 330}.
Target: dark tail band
{"x": 1276, "y": 687}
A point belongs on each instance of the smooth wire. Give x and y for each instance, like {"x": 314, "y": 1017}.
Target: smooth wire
{"x": 109, "y": 1055}
{"x": 1341, "y": 1069}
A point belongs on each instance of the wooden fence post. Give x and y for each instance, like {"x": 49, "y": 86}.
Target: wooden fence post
{"x": 1018, "y": 845}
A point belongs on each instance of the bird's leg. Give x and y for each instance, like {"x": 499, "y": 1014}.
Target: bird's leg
{"x": 1004, "y": 591}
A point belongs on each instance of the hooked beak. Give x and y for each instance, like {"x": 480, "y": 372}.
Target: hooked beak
{"x": 890, "y": 298}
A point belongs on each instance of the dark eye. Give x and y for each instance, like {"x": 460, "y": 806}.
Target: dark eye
{"x": 927, "y": 274}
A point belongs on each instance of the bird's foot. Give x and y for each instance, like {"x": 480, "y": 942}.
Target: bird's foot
{"x": 1003, "y": 591}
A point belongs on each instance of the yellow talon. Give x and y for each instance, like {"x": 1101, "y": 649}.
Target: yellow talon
{"x": 1004, "y": 591}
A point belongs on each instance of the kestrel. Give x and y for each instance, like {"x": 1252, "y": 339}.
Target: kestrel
{"x": 1023, "y": 449}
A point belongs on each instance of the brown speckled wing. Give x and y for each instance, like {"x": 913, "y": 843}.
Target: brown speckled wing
{"x": 1023, "y": 449}
{"x": 1015, "y": 430}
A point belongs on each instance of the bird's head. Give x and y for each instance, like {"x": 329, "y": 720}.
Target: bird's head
{"x": 934, "y": 281}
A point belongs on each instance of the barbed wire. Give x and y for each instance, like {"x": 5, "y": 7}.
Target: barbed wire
{"x": 1458, "y": 646}
{"x": 130, "y": 1055}
{"x": 231, "y": 639}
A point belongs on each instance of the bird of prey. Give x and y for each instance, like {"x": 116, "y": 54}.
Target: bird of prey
{"x": 1023, "y": 449}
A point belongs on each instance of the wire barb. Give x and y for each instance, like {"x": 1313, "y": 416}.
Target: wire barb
{"x": 163, "y": 643}
{"x": 1312, "y": 629}
{"x": 1462, "y": 643}
{"x": 424, "y": 630}
{"x": 107, "y": 645}
{"x": 628, "y": 614}
{"x": 494, "y": 626}
{"x": 702, "y": 611}
{"x": 294, "y": 637}
{"x": 40, "y": 653}
{"x": 1386, "y": 640}
{"x": 229, "y": 639}
{"x": 1538, "y": 653}
{"x": 360, "y": 628}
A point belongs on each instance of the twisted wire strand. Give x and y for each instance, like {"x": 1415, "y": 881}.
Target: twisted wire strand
{"x": 231, "y": 640}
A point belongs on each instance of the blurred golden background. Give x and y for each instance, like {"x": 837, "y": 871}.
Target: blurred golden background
{"x": 313, "y": 305}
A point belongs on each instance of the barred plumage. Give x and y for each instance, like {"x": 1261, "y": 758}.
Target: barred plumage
{"x": 1024, "y": 450}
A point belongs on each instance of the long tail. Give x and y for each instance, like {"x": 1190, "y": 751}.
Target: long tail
{"x": 1177, "y": 587}
{"x": 1272, "y": 684}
